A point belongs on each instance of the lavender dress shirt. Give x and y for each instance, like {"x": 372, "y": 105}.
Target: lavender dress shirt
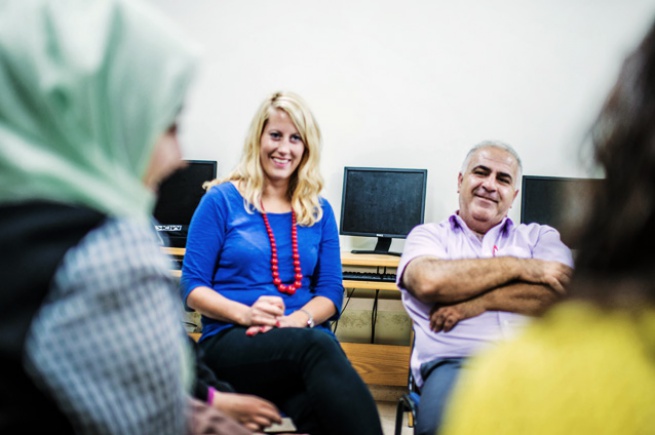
{"x": 452, "y": 239}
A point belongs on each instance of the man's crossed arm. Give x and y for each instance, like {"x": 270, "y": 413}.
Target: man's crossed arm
{"x": 461, "y": 289}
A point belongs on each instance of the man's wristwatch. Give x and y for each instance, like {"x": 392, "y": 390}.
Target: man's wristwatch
{"x": 310, "y": 320}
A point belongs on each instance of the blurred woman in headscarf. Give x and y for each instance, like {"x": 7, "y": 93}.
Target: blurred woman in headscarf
{"x": 90, "y": 335}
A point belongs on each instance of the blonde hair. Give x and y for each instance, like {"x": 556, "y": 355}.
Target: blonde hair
{"x": 306, "y": 182}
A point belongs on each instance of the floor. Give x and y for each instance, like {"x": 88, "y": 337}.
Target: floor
{"x": 386, "y": 398}
{"x": 388, "y": 416}
{"x": 386, "y": 401}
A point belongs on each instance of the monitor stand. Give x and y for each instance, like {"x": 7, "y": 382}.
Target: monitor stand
{"x": 382, "y": 248}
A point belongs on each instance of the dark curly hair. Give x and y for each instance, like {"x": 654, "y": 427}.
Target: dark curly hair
{"x": 616, "y": 240}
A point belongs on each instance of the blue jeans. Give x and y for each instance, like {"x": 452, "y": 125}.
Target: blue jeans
{"x": 439, "y": 377}
{"x": 303, "y": 371}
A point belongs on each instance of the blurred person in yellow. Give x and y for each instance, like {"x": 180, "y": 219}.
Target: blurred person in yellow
{"x": 588, "y": 367}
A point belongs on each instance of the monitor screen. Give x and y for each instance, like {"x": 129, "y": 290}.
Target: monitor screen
{"x": 382, "y": 202}
{"x": 555, "y": 201}
{"x": 178, "y": 198}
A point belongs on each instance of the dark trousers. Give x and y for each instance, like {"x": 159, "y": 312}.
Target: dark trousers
{"x": 439, "y": 378}
{"x": 303, "y": 371}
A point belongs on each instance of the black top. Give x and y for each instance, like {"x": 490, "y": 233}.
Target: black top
{"x": 34, "y": 238}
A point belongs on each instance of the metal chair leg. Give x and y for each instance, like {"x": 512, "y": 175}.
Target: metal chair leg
{"x": 400, "y": 412}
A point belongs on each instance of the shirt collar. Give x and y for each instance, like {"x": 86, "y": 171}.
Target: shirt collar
{"x": 502, "y": 228}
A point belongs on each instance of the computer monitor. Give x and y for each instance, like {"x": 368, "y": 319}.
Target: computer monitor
{"x": 555, "y": 201}
{"x": 382, "y": 202}
{"x": 179, "y": 196}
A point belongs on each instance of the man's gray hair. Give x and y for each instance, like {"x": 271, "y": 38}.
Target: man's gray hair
{"x": 495, "y": 144}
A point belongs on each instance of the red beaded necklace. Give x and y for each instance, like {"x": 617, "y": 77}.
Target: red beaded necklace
{"x": 291, "y": 288}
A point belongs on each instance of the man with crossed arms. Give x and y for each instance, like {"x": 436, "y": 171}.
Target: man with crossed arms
{"x": 474, "y": 278}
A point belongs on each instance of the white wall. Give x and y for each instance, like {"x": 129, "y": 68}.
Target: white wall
{"x": 412, "y": 83}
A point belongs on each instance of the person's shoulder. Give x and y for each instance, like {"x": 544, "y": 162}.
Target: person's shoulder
{"x": 129, "y": 237}
{"x": 226, "y": 188}
{"x": 432, "y": 228}
{"x": 536, "y": 234}
{"x": 225, "y": 192}
{"x": 557, "y": 356}
{"x": 118, "y": 247}
{"x": 569, "y": 328}
{"x": 576, "y": 335}
{"x": 324, "y": 203}
{"x": 535, "y": 228}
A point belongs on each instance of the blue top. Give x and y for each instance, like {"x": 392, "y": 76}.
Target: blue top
{"x": 229, "y": 251}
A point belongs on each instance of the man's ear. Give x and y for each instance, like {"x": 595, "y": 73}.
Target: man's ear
{"x": 516, "y": 193}
{"x": 460, "y": 177}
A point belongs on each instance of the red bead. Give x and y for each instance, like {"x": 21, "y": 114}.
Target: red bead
{"x": 298, "y": 277}
{"x": 273, "y": 261}
{"x": 274, "y": 268}
{"x": 277, "y": 281}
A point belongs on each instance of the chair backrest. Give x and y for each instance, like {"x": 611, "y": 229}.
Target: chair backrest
{"x": 408, "y": 403}
{"x": 411, "y": 382}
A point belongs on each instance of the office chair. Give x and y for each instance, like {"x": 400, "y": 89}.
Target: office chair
{"x": 408, "y": 402}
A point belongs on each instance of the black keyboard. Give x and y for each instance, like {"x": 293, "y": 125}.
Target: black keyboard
{"x": 369, "y": 276}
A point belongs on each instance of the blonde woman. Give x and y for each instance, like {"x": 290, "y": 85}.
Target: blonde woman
{"x": 263, "y": 268}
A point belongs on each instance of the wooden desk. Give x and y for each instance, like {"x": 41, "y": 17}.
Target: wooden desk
{"x": 369, "y": 260}
{"x": 377, "y": 364}
{"x": 372, "y": 260}
{"x": 347, "y": 258}
{"x": 175, "y": 252}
